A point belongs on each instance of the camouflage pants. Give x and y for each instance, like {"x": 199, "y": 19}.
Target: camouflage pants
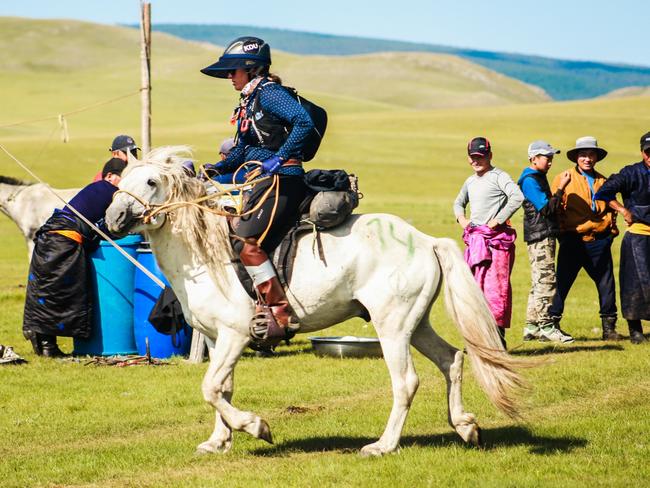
{"x": 541, "y": 255}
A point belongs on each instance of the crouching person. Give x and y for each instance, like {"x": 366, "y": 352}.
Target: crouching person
{"x": 59, "y": 300}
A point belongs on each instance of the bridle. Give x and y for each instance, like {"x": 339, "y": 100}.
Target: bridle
{"x": 151, "y": 210}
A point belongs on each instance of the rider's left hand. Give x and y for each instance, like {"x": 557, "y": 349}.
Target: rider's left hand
{"x": 272, "y": 165}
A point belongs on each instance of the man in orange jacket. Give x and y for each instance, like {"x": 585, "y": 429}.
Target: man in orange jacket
{"x": 587, "y": 230}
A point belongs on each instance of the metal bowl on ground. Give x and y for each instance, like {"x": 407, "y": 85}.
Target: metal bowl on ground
{"x": 347, "y": 347}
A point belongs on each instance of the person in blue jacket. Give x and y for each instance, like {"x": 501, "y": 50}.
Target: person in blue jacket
{"x": 541, "y": 229}
{"x": 272, "y": 128}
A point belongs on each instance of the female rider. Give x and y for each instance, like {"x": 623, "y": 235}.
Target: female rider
{"x": 272, "y": 128}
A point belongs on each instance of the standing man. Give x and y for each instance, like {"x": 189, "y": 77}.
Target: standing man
{"x": 633, "y": 183}
{"x": 493, "y": 198}
{"x": 540, "y": 231}
{"x": 121, "y": 146}
{"x": 587, "y": 230}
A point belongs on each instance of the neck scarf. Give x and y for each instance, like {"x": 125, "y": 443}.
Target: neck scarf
{"x": 247, "y": 91}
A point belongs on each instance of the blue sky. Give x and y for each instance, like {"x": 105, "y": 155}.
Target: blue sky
{"x": 613, "y": 31}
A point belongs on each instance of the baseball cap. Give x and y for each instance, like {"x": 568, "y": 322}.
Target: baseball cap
{"x": 113, "y": 165}
{"x": 479, "y": 146}
{"x": 123, "y": 143}
{"x": 645, "y": 141}
{"x": 543, "y": 148}
{"x": 226, "y": 146}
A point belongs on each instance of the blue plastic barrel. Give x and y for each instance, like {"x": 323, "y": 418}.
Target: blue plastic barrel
{"x": 145, "y": 296}
{"x": 113, "y": 276}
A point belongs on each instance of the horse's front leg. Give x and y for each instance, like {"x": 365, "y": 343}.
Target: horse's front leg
{"x": 221, "y": 439}
{"x": 217, "y": 390}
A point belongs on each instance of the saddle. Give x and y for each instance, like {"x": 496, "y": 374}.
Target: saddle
{"x": 333, "y": 195}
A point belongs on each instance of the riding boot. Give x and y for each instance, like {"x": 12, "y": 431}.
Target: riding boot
{"x": 274, "y": 320}
{"x": 609, "y": 329}
{"x": 636, "y": 332}
{"x": 35, "y": 339}
{"x": 50, "y": 347}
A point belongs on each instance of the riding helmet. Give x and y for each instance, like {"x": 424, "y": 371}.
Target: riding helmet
{"x": 250, "y": 53}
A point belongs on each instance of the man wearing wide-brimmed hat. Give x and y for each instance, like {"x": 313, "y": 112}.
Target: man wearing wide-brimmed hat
{"x": 633, "y": 183}
{"x": 587, "y": 229}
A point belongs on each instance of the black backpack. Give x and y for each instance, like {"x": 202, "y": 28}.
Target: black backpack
{"x": 272, "y": 133}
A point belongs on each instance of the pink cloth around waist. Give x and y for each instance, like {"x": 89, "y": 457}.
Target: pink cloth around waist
{"x": 490, "y": 254}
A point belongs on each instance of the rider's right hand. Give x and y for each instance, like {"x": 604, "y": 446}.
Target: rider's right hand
{"x": 213, "y": 170}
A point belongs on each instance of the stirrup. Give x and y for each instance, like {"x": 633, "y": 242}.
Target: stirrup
{"x": 265, "y": 331}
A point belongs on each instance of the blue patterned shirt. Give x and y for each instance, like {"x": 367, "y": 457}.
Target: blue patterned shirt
{"x": 274, "y": 99}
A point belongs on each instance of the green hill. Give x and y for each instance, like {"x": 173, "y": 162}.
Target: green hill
{"x": 561, "y": 79}
{"x": 107, "y": 57}
{"x": 630, "y": 91}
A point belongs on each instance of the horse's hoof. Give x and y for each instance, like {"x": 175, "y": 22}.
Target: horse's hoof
{"x": 479, "y": 438}
{"x": 374, "y": 450}
{"x": 265, "y": 432}
{"x": 202, "y": 450}
{"x": 470, "y": 433}
{"x": 208, "y": 447}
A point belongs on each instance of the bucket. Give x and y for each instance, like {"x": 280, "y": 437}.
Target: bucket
{"x": 146, "y": 294}
{"x": 113, "y": 301}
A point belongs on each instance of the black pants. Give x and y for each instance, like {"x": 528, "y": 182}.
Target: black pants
{"x": 292, "y": 193}
{"x": 596, "y": 259}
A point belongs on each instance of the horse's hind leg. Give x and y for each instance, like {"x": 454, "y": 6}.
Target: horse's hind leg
{"x": 404, "y": 379}
{"x": 450, "y": 362}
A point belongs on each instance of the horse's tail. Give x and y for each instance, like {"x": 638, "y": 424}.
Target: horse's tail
{"x": 493, "y": 367}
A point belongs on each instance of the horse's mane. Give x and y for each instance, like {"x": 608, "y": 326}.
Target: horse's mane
{"x": 8, "y": 180}
{"x": 205, "y": 234}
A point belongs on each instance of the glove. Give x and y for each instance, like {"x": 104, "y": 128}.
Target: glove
{"x": 214, "y": 169}
{"x": 271, "y": 165}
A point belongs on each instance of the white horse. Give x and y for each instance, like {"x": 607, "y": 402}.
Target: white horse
{"x": 29, "y": 205}
{"x": 375, "y": 264}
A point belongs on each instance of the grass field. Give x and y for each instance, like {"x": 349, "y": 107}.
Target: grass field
{"x": 66, "y": 424}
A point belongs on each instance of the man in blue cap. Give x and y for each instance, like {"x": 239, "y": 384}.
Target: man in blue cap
{"x": 121, "y": 146}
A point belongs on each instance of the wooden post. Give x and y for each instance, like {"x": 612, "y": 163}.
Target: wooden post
{"x": 145, "y": 63}
{"x": 197, "y": 349}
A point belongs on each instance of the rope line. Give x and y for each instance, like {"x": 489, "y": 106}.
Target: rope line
{"x": 61, "y": 117}
{"x": 154, "y": 278}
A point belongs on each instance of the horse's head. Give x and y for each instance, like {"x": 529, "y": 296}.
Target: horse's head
{"x": 146, "y": 185}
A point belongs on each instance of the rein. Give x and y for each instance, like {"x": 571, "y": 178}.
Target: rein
{"x": 151, "y": 210}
